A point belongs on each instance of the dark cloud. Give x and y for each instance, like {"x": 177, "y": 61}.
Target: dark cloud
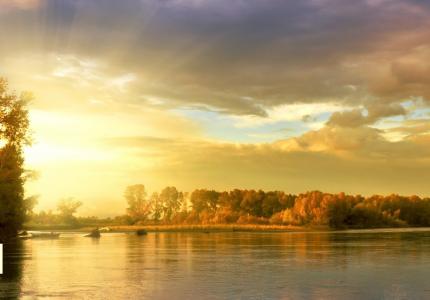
{"x": 352, "y": 118}
{"x": 375, "y": 112}
{"x": 408, "y": 76}
{"x": 218, "y": 53}
{"x": 308, "y": 118}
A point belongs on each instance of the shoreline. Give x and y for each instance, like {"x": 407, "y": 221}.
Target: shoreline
{"x": 218, "y": 228}
{"x": 221, "y": 228}
{"x": 185, "y": 228}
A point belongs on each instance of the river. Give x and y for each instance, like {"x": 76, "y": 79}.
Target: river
{"x": 362, "y": 264}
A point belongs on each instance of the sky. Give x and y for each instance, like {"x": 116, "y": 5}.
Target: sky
{"x": 328, "y": 95}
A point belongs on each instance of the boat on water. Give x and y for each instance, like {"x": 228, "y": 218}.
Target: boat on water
{"x": 141, "y": 232}
{"x": 25, "y": 236}
{"x": 93, "y": 234}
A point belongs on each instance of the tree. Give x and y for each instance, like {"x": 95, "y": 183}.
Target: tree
{"x": 338, "y": 212}
{"x": 29, "y": 204}
{"x": 156, "y": 207}
{"x": 171, "y": 200}
{"x": 271, "y": 204}
{"x": 14, "y": 125}
{"x": 204, "y": 200}
{"x": 139, "y": 207}
{"x": 67, "y": 208}
{"x": 234, "y": 198}
{"x": 252, "y": 202}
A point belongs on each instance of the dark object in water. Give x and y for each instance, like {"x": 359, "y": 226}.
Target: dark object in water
{"x": 93, "y": 234}
{"x": 25, "y": 237}
{"x": 23, "y": 233}
{"x": 141, "y": 232}
{"x": 44, "y": 235}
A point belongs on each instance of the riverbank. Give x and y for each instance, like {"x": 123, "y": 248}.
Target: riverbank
{"x": 189, "y": 228}
{"x": 217, "y": 228}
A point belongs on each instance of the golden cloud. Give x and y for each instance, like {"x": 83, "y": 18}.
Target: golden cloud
{"x": 6, "y": 5}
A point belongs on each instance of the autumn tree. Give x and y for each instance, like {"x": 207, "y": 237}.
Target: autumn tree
{"x": 271, "y": 203}
{"x": 156, "y": 207}
{"x": 234, "y": 200}
{"x": 252, "y": 202}
{"x": 171, "y": 200}
{"x": 276, "y": 207}
{"x": 204, "y": 200}
{"x": 139, "y": 208}
{"x": 14, "y": 125}
{"x": 338, "y": 212}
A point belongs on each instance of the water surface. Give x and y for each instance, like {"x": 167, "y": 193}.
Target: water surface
{"x": 388, "y": 264}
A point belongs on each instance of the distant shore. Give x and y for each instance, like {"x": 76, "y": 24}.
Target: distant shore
{"x": 207, "y": 228}
{"x": 217, "y": 228}
{"x": 188, "y": 228}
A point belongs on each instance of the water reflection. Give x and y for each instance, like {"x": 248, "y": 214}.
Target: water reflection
{"x": 10, "y": 280}
{"x": 229, "y": 265}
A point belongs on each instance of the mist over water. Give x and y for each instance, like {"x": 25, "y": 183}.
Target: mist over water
{"x": 368, "y": 264}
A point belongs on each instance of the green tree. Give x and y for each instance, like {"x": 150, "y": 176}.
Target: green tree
{"x": 14, "y": 125}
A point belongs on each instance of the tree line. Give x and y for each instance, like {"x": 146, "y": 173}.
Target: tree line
{"x": 203, "y": 206}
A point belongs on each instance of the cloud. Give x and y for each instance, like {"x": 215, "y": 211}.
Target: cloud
{"x": 351, "y": 118}
{"x": 288, "y": 112}
{"x": 364, "y": 163}
{"x": 407, "y": 76}
{"x": 356, "y": 118}
{"x": 333, "y": 159}
{"x": 377, "y": 111}
{"x": 412, "y": 128}
{"x": 345, "y": 141}
{"x": 118, "y": 72}
{"x": 8, "y": 5}
{"x": 217, "y": 54}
